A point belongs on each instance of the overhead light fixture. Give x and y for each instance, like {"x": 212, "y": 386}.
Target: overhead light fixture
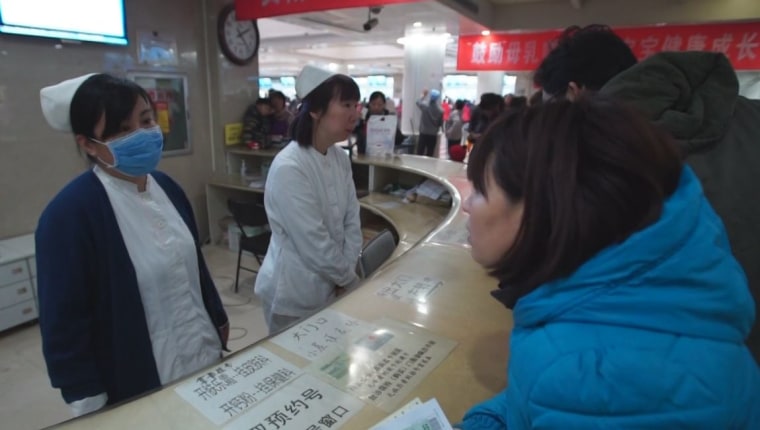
{"x": 333, "y": 66}
{"x": 486, "y": 32}
{"x": 417, "y": 24}
{"x": 351, "y": 66}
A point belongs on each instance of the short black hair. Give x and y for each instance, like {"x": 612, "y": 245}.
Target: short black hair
{"x": 518, "y": 102}
{"x": 104, "y": 94}
{"x": 589, "y": 174}
{"x": 339, "y": 87}
{"x": 491, "y": 101}
{"x": 589, "y": 56}
{"x": 275, "y": 94}
{"x": 377, "y": 94}
{"x": 459, "y": 104}
{"x": 263, "y": 101}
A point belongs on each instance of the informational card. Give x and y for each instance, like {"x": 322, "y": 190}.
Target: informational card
{"x": 381, "y": 134}
{"x": 237, "y": 385}
{"x": 427, "y": 416}
{"x": 410, "y": 288}
{"x": 384, "y": 366}
{"x": 305, "y": 404}
{"x": 316, "y": 335}
{"x": 399, "y": 413}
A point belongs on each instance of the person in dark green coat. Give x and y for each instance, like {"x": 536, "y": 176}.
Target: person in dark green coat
{"x": 695, "y": 97}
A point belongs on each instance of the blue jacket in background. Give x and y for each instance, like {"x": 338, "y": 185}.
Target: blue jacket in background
{"x": 94, "y": 335}
{"x": 648, "y": 334}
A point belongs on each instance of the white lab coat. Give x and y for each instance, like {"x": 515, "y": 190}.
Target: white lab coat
{"x": 165, "y": 260}
{"x": 313, "y": 211}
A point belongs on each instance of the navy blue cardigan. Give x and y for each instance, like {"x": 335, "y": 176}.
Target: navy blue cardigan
{"x": 94, "y": 335}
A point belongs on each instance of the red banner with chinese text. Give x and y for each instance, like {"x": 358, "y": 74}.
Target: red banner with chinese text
{"x": 255, "y": 9}
{"x": 525, "y": 51}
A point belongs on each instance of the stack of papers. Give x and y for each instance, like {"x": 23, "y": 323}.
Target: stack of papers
{"x": 416, "y": 416}
{"x": 430, "y": 189}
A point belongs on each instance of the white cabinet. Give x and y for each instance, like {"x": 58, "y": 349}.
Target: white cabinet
{"x": 18, "y": 273}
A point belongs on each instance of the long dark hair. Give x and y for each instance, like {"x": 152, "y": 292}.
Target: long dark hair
{"x": 589, "y": 174}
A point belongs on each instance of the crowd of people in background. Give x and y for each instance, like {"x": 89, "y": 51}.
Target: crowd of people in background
{"x": 267, "y": 121}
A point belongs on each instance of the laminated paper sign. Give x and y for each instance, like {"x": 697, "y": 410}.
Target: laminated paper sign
{"x": 305, "y": 404}
{"x": 237, "y": 385}
{"x": 381, "y": 134}
{"x": 326, "y": 330}
{"x": 384, "y": 366}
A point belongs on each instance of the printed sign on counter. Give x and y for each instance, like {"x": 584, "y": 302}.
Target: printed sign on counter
{"x": 384, "y": 366}
{"x": 235, "y": 386}
{"x": 315, "y": 336}
{"x": 410, "y": 289}
{"x": 427, "y": 416}
{"x": 305, "y": 404}
{"x": 381, "y": 134}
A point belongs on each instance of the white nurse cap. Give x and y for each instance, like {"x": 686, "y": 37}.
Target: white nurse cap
{"x": 56, "y": 102}
{"x": 309, "y": 78}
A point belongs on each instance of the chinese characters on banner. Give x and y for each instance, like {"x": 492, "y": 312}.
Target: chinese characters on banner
{"x": 740, "y": 42}
{"x": 315, "y": 336}
{"x": 235, "y": 386}
{"x": 305, "y": 404}
{"x": 384, "y": 366}
{"x": 255, "y": 9}
{"x": 410, "y": 289}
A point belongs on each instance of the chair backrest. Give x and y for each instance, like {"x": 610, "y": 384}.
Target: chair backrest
{"x": 376, "y": 252}
{"x": 245, "y": 213}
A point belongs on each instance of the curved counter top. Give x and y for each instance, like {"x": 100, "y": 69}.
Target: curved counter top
{"x": 460, "y": 310}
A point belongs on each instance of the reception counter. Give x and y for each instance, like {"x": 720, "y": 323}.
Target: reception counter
{"x": 430, "y": 297}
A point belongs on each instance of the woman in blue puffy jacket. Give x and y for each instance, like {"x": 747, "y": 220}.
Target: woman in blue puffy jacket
{"x": 630, "y": 311}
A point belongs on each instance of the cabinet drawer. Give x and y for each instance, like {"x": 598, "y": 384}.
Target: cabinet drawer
{"x": 32, "y": 266}
{"x": 16, "y": 293}
{"x": 13, "y": 272}
{"x": 17, "y": 314}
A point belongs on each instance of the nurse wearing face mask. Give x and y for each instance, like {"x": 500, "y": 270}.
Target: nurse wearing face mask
{"x": 126, "y": 301}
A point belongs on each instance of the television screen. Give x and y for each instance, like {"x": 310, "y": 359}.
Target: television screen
{"x": 100, "y": 21}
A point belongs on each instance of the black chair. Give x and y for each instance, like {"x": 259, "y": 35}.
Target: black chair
{"x": 250, "y": 214}
{"x": 376, "y": 252}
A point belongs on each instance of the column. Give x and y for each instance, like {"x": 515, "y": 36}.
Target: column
{"x": 524, "y": 85}
{"x": 424, "y": 54}
{"x": 490, "y": 82}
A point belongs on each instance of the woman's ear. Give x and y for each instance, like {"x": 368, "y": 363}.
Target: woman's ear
{"x": 315, "y": 115}
{"x": 86, "y": 145}
{"x": 573, "y": 91}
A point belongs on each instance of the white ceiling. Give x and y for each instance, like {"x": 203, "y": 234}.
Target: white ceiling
{"x": 337, "y": 37}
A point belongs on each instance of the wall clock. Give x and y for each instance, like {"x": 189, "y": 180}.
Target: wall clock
{"x": 239, "y": 40}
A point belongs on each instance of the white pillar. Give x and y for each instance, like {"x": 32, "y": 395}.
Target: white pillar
{"x": 490, "y": 82}
{"x": 524, "y": 85}
{"x": 424, "y": 55}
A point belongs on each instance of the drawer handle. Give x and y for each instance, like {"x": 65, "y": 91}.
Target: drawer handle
{"x": 18, "y": 270}
{"x": 22, "y": 290}
{"x": 27, "y": 311}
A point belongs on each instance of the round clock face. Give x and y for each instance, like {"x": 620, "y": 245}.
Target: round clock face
{"x": 239, "y": 39}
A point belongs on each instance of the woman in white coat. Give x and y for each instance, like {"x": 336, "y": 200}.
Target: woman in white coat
{"x": 312, "y": 206}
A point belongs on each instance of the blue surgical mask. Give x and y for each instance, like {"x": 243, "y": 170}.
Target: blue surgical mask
{"x": 137, "y": 153}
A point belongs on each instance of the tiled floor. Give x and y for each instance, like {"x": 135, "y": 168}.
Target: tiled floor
{"x": 27, "y": 401}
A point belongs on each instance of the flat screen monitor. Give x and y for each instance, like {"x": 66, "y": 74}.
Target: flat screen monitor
{"x": 99, "y": 21}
